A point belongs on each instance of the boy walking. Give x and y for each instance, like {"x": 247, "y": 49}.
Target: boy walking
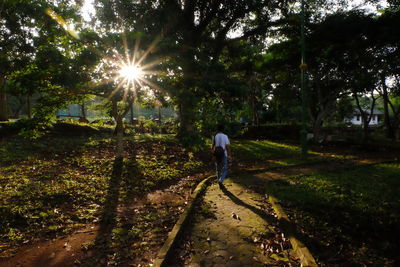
{"x": 222, "y": 152}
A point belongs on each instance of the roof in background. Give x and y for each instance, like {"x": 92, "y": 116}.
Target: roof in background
{"x": 375, "y": 111}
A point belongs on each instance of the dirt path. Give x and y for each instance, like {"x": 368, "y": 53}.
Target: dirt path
{"x": 234, "y": 226}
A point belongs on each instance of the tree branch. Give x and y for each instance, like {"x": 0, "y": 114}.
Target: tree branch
{"x": 209, "y": 16}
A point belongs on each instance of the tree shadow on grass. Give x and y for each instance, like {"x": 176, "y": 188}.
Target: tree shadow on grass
{"x": 108, "y": 218}
{"x": 118, "y": 230}
{"x": 342, "y": 215}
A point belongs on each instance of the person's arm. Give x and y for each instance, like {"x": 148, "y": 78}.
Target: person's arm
{"x": 213, "y": 143}
{"x": 228, "y": 151}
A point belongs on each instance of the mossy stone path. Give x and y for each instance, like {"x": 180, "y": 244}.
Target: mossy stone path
{"x": 234, "y": 226}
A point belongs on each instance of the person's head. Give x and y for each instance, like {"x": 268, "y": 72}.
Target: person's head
{"x": 220, "y": 127}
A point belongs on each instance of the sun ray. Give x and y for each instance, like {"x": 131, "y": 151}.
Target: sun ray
{"x": 126, "y": 48}
{"x": 153, "y": 72}
{"x": 149, "y": 49}
{"x": 136, "y": 49}
{"x": 151, "y": 84}
{"x": 152, "y": 64}
{"x": 125, "y": 96}
{"x": 128, "y": 71}
{"x": 115, "y": 90}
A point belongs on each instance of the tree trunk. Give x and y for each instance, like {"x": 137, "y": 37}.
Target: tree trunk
{"x": 365, "y": 137}
{"x": 187, "y": 97}
{"x": 187, "y": 115}
{"x": 317, "y": 129}
{"x": 18, "y": 110}
{"x": 119, "y": 130}
{"x": 83, "y": 111}
{"x": 132, "y": 120}
{"x": 3, "y": 101}
{"x": 366, "y": 117}
{"x": 388, "y": 124}
{"x": 83, "y": 118}
{"x": 29, "y": 106}
{"x": 252, "y": 84}
{"x": 319, "y": 121}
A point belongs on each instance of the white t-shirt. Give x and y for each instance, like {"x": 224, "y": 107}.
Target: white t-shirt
{"x": 221, "y": 140}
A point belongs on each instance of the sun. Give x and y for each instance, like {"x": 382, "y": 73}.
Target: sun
{"x": 130, "y": 72}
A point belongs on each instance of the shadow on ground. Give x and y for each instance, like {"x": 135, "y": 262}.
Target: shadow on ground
{"x": 346, "y": 210}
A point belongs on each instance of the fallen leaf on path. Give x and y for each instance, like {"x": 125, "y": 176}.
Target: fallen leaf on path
{"x": 67, "y": 246}
{"x": 235, "y": 216}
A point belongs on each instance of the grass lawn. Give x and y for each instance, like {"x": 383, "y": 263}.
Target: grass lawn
{"x": 56, "y": 184}
{"x": 268, "y": 153}
{"x": 349, "y": 217}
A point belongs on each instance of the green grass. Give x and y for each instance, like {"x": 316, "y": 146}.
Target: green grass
{"x": 277, "y": 154}
{"x": 358, "y": 209}
{"x": 55, "y": 184}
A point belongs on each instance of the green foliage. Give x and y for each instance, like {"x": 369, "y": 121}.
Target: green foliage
{"x": 40, "y": 58}
{"x": 214, "y": 112}
{"x": 152, "y": 126}
{"x": 194, "y": 141}
{"x": 29, "y": 129}
{"x": 345, "y": 108}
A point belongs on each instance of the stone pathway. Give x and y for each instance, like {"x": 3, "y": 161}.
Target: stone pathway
{"x": 234, "y": 226}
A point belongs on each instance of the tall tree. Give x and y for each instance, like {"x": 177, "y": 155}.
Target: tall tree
{"x": 386, "y": 38}
{"x": 193, "y": 34}
{"x": 37, "y": 54}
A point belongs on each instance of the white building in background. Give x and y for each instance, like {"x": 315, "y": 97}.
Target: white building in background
{"x": 356, "y": 119}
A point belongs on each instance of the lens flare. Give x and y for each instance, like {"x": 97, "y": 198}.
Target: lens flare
{"x": 130, "y": 72}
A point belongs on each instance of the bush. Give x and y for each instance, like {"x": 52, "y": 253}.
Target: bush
{"x": 194, "y": 141}
{"x": 26, "y": 128}
{"x": 233, "y": 128}
{"x": 170, "y": 126}
{"x": 152, "y": 127}
{"x": 8, "y": 128}
{"x": 74, "y": 128}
